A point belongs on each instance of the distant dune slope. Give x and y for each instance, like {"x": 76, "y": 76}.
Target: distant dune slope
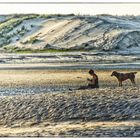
{"x": 99, "y": 33}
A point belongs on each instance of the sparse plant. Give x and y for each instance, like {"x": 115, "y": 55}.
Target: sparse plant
{"x": 32, "y": 25}
{"x": 23, "y": 27}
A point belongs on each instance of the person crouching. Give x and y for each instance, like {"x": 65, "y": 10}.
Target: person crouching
{"x": 93, "y": 82}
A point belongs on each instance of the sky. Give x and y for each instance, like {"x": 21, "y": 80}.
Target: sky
{"x": 91, "y": 9}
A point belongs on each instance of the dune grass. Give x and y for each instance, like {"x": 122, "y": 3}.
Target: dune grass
{"x": 13, "y": 49}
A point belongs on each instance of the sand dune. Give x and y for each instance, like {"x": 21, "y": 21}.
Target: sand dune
{"x": 71, "y": 32}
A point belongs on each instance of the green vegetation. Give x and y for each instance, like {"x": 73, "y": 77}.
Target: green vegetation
{"x": 9, "y": 33}
{"x": 32, "y": 40}
{"x": 41, "y": 51}
{"x": 9, "y": 24}
{"x": 14, "y": 49}
{"x": 55, "y": 15}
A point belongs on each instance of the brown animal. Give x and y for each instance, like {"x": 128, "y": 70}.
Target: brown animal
{"x": 124, "y": 76}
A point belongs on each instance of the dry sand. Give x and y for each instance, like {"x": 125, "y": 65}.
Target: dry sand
{"x": 56, "y": 77}
{"x": 108, "y": 111}
{"x": 75, "y": 129}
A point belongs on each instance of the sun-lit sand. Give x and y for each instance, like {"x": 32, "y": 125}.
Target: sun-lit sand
{"x": 74, "y": 129}
{"x": 56, "y": 77}
{"x": 107, "y": 111}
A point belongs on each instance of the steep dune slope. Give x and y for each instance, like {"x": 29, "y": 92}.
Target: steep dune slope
{"x": 98, "y": 33}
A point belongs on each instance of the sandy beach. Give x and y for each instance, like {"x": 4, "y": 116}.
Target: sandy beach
{"x": 31, "y": 78}
{"x": 28, "y": 108}
{"x": 45, "y": 58}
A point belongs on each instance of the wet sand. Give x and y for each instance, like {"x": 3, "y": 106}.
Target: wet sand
{"x": 69, "y": 61}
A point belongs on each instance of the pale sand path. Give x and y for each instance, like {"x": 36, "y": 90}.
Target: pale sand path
{"x": 73, "y": 129}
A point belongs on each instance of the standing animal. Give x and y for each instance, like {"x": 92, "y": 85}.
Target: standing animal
{"x": 124, "y": 76}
